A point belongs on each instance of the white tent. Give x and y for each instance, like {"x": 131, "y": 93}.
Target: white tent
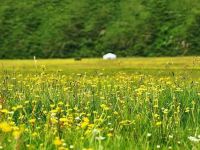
{"x": 109, "y": 56}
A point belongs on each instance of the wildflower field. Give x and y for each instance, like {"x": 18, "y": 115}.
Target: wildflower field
{"x": 93, "y": 104}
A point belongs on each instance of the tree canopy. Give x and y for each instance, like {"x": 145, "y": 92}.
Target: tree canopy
{"x": 91, "y": 28}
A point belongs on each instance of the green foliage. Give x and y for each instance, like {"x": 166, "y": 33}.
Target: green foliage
{"x": 89, "y": 28}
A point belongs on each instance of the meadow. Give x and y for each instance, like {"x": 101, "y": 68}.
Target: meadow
{"x": 94, "y": 104}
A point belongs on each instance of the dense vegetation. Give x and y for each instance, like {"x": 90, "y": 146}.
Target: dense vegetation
{"x": 90, "y": 28}
{"x": 100, "y": 105}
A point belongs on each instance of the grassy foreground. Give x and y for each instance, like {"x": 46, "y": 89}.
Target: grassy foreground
{"x": 134, "y": 103}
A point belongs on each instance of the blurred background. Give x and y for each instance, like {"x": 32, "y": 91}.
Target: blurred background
{"x": 91, "y": 28}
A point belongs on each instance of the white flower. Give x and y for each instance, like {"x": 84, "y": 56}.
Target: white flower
{"x": 170, "y": 136}
{"x": 95, "y": 131}
{"x": 170, "y": 147}
{"x": 53, "y": 115}
{"x": 71, "y": 146}
{"x": 158, "y": 146}
{"x": 12, "y": 112}
{"x": 77, "y": 118}
{"x": 100, "y": 138}
{"x": 193, "y": 139}
{"x": 148, "y": 134}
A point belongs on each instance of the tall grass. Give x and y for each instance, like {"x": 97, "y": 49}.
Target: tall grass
{"x": 123, "y": 110}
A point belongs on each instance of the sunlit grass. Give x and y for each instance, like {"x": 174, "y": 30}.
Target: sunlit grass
{"x": 124, "y": 63}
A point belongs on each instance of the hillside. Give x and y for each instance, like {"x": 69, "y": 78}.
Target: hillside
{"x": 90, "y": 28}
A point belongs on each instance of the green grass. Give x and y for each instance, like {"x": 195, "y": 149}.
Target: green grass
{"x": 133, "y": 103}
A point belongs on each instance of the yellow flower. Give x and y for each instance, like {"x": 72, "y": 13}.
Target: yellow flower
{"x": 60, "y": 103}
{"x": 109, "y": 134}
{"x": 85, "y": 122}
{"x": 14, "y": 108}
{"x": 187, "y": 109}
{"x": 158, "y": 123}
{"x": 165, "y": 111}
{"x": 34, "y": 134}
{"x": 156, "y": 115}
{"x": 62, "y": 148}
{"x": 115, "y": 113}
{"x": 16, "y": 134}
{"x": 54, "y": 120}
{"x": 5, "y": 127}
{"x": 4, "y": 111}
{"x": 32, "y": 121}
{"x": 57, "y": 141}
{"x": 104, "y": 107}
{"x": 19, "y": 106}
{"x": 86, "y": 119}
{"x": 63, "y": 119}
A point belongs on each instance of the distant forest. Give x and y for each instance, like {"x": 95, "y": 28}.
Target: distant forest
{"x": 91, "y": 28}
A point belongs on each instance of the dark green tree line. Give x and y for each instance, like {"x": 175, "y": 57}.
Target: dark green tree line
{"x": 89, "y": 28}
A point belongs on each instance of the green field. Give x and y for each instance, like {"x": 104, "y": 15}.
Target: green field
{"x": 128, "y": 103}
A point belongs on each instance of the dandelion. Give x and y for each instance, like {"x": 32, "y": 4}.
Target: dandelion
{"x": 62, "y": 148}
{"x": 34, "y": 134}
{"x": 104, "y": 107}
{"x": 109, "y": 134}
{"x": 63, "y": 119}
{"x": 158, "y": 123}
{"x": 115, "y": 113}
{"x": 32, "y": 121}
{"x": 16, "y": 134}
{"x": 5, "y": 111}
{"x": 60, "y": 103}
{"x": 57, "y": 141}
{"x": 85, "y": 122}
{"x": 5, "y": 127}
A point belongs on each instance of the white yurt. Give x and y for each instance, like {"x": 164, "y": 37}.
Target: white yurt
{"x": 109, "y": 56}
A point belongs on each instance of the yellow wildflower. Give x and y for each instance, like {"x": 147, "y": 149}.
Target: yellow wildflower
{"x": 32, "y": 121}
{"x": 63, "y": 119}
{"x": 16, "y": 134}
{"x": 5, "y": 127}
{"x": 85, "y": 122}
{"x": 57, "y": 141}
{"x": 158, "y": 123}
{"x": 4, "y": 111}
